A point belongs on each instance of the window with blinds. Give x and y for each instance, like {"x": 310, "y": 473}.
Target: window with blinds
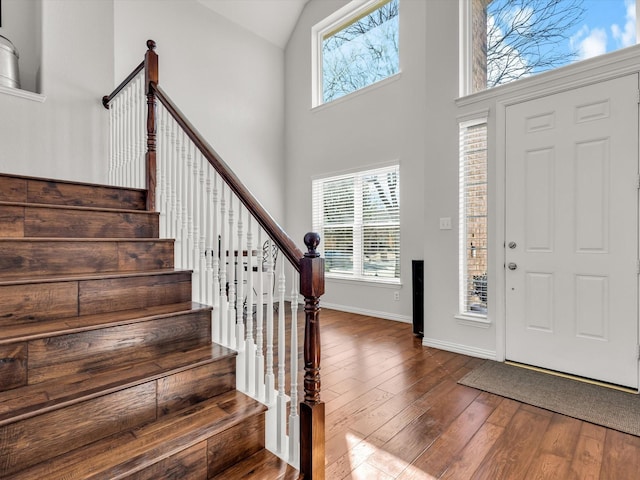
{"x": 473, "y": 218}
{"x": 358, "y": 218}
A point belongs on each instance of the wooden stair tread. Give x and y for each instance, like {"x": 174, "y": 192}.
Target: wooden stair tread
{"x": 129, "y": 452}
{"x": 64, "y": 326}
{"x": 85, "y": 239}
{"x": 31, "y": 400}
{"x": 79, "y": 208}
{"x": 72, "y": 277}
{"x": 261, "y": 465}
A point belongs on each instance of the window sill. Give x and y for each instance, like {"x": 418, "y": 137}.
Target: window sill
{"x": 393, "y": 78}
{"x": 469, "y": 320}
{"x": 16, "y": 92}
{"x": 391, "y": 283}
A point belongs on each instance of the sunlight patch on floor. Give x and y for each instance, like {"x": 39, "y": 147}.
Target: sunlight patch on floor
{"x": 360, "y": 451}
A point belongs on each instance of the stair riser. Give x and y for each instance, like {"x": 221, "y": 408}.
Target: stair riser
{"x": 27, "y": 221}
{"x": 113, "y": 294}
{"x": 189, "y": 464}
{"x": 194, "y": 385}
{"x": 235, "y": 444}
{"x": 13, "y": 366}
{"x": 97, "y": 350}
{"x": 31, "y": 441}
{"x": 22, "y": 304}
{"x": 39, "y": 257}
{"x": 51, "y": 192}
{"x": 25, "y": 443}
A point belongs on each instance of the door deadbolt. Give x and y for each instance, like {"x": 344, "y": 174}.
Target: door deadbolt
{"x": 512, "y": 245}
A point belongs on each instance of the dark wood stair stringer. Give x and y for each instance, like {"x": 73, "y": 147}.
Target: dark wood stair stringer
{"x": 107, "y": 369}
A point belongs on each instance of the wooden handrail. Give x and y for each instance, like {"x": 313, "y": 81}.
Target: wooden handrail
{"x": 286, "y": 245}
{"x": 107, "y": 98}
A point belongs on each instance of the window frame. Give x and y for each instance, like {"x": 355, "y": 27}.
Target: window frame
{"x": 463, "y": 312}
{"x": 359, "y": 225}
{"x": 340, "y": 17}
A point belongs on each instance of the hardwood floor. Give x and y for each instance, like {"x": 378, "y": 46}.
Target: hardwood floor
{"x": 395, "y": 411}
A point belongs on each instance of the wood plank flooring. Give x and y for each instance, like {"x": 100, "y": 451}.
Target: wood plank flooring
{"x": 395, "y": 411}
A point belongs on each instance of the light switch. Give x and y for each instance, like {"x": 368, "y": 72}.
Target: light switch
{"x": 445, "y": 223}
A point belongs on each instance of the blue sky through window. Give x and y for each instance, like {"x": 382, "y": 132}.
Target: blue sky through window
{"x": 607, "y": 25}
{"x": 603, "y": 26}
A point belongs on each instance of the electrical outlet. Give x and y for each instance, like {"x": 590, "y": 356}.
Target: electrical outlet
{"x": 396, "y": 296}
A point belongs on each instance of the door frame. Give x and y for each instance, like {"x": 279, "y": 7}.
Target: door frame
{"x": 487, "y": 339}
{"x": 497, "y": 172}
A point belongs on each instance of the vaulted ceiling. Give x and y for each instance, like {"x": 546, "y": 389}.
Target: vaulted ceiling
{"x": 272, "y": 20}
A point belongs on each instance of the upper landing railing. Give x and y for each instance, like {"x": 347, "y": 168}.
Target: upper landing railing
{"x": 243, "y": 262}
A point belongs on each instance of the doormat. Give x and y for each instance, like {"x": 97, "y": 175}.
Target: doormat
{"x": 592, "y": 403}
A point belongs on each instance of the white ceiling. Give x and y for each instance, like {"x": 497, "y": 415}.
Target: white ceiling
{"x": 272, "y": 20}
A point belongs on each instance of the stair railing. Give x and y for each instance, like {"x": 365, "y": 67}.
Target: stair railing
{"x": 243, "y": 263}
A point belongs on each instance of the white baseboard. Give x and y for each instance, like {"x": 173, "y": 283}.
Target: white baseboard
{"x": 458, "y": 348}
{"x": 369, "y": 313}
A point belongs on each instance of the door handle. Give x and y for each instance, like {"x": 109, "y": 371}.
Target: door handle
{"x": 512, "y": 266}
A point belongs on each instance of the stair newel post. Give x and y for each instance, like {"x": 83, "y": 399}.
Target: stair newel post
{"x": 150, "y": 81}
{"x": 312, "y": 428}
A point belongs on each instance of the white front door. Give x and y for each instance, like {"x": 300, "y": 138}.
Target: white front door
{"x": 572, "y": 232}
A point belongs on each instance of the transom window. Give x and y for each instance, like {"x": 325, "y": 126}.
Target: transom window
{"x": 355, "y": 47}
{"x": 504, "y": 40}
{"x": 358, "y": 218}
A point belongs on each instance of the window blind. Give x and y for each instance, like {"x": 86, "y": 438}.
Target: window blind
{"x": 358, "y": 218}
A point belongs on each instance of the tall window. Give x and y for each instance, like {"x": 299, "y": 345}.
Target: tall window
{"x": 358, "y": 218}
{"x": 473, "y": 218}
{"x": 356, "y": 47}
{"x": 505, "y": 40}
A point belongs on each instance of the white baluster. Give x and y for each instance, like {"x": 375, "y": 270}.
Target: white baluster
{"x": 259, "y": 369}
{"x": 213, "y": 260}
{"x": 117, "y": 103}
{"x": 142, "y": 128}
{"x": 112, "y": 149}
{"x": 162, "y": 171}
{"x": 294, "y": 419}
{"x": 269, "y": 379}
{"x": 187, "y": 192}
{"x": 281, "y": 417}
{"x": 171, "y": 177}
{"x": 224, "y": 261}
{"x": 129, "y": 138}
{"x": 231, "y": 278}
{"x": 241, "y": 380}
{"x": 198, "y": 200}
{"x": 183, "y": 171}
{"x": 125, "y": 135}
{"x": 175, "y": 183}
{"x": 250, "y": 348}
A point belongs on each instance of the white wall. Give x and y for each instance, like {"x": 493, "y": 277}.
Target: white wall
{"x": 382, "y": 124}
{"x": 228, "y": 81}
{"x": 22, "y": 25}
{"x": 66, "y": 135}
{"x": 415, "y": 119}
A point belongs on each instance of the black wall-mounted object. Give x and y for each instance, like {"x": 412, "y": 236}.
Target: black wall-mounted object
{"x": 417, "y": 286}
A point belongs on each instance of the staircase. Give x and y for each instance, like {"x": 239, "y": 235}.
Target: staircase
{"x": 107, "y": 369}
